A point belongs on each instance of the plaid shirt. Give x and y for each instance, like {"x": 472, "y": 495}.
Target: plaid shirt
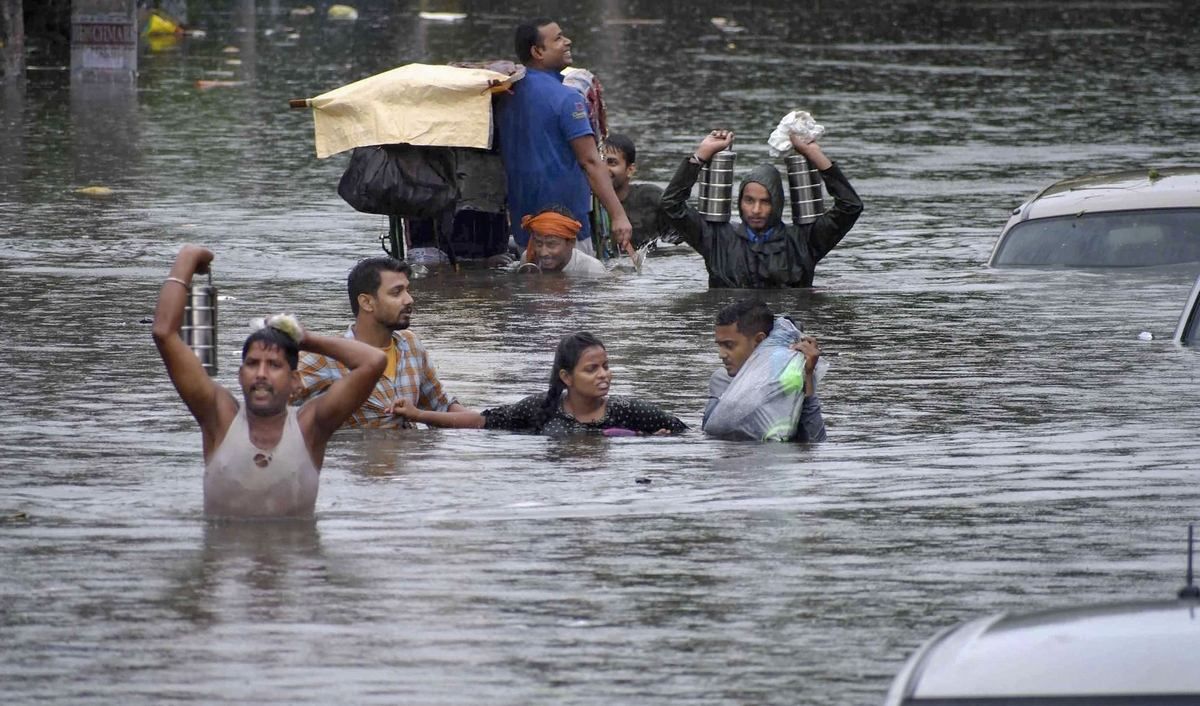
{"x": 416, "y": 381}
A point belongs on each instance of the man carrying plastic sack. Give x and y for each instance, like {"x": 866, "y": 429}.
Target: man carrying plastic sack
{"x": 767, "y": 390}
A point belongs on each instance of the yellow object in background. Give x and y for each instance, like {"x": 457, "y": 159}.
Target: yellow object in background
{"x": 160, "y": 24}
{"x": 158, "y": 43}
{"x": 420, "y": 104}
{"x": 342, "y": 12}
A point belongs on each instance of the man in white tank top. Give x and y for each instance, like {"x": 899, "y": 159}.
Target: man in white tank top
{"x": 262, "y": 457}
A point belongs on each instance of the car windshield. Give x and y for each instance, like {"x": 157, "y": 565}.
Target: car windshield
{"x": 1113, "y": 239}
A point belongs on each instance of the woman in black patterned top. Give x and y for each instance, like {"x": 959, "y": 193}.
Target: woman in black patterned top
{"x": 577, "y": 401}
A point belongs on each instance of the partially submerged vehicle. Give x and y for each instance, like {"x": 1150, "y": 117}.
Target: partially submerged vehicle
{"x": 1187, "y": 331}
{"x": 1131, "y": 654}
{"x": 1143, "y": 218}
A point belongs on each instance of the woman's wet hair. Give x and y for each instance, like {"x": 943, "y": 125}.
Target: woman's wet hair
{"x": 752, "y": 316}
{"x": 566, "y": 357}
{"x": 364, "y": 277}
{"x": 274, "y": 338}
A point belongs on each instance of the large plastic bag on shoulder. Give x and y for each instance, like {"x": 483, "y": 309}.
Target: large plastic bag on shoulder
{"x": 764, "y": 400}
{"x": 797, "y": 122}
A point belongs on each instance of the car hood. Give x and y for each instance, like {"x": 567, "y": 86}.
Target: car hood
{"x": 1111, "y": 649}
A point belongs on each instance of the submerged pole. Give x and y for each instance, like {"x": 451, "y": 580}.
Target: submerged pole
{"x": 12, "y": 21}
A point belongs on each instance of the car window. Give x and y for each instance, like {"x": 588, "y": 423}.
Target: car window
{"x": 1190, "y": 335}
{"x": 1114, "y": 239}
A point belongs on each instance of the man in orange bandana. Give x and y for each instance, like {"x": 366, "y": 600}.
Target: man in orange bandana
{"x": 552, "y": 244}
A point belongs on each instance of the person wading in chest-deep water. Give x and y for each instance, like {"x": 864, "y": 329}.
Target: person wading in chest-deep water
{"x": 640, "y": 200}
{"x": 576, "y": 402}
{"x": 552, "y": 248}
{"x": 262, "y": 456}
{"x": 762, "y": 250}
{"x": 741, "y": 329}
{"x": 381, "y": 302}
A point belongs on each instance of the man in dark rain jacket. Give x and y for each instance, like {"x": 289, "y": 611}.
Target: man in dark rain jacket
{"x": 762, "y": 251}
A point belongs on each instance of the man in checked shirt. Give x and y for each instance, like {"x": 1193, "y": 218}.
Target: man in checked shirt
{"x": 382, "y": 308}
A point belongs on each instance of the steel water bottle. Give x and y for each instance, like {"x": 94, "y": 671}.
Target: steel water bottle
{"x": 199, "y": 329}
{"x": 804, "y": 188}
{"x": 716, "y": 188}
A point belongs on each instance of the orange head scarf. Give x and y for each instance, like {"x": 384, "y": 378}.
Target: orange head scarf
{"x": 549, "y": 223}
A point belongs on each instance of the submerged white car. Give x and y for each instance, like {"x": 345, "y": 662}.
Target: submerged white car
{"x": 1132, "y": 654}
{"x": 1119, "y": 654}
{"x": 1144, "y": 218}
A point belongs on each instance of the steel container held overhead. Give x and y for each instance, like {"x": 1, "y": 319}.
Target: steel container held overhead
{"x": 804, "y": 189}
{"x": 199, "y": 328}
{"x": 716, "y": 188}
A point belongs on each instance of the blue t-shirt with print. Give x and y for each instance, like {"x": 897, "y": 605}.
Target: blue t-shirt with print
{"x": 536, "y": 125}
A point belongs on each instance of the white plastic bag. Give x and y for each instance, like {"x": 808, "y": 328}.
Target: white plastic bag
{"x": 797, "y": 122}
{"x": 286, "y": 324}
{"x": 764, "y": 400}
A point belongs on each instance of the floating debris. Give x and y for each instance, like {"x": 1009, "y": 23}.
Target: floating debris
{"x": 443, "y": 16}
{"x": 97, "y": 192}
{"x": 1145, "y": 336}
{"x": 203, "y": 85}
{"x": 1153, "y": 175}
{"x": 342, "y": 12}
{"x": 642, "y": 481}
{"x": 634, "y": 22}
{"x": 159, "y": 23}
{"x": 727, "y": 25}
{"x": 233, "y": 62}
{"x": 231, "y": 50}
{"x": 303, "y": 11}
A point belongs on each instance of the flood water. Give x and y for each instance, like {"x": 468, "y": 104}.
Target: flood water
{"x": 999, "y": 440}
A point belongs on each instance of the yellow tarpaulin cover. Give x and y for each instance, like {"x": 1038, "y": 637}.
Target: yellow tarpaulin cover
{"x": 419, "y": 104}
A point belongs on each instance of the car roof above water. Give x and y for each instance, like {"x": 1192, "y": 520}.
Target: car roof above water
{"x": 1144, "y": 648}
{"x": 1137, "y": 218}
{"x": 1170, "y": 187}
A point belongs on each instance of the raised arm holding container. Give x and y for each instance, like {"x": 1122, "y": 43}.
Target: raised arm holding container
{"x": 262, "y": 456}
{"x": 762, "y": 251}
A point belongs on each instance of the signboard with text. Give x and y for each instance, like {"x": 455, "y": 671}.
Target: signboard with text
{"x": 104, "y": 47}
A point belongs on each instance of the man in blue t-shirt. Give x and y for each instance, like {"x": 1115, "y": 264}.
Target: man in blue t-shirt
{"x": 546, "y": 141}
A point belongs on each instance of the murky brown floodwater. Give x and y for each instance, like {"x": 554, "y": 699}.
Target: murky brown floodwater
{"x": 999, "y": 440}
